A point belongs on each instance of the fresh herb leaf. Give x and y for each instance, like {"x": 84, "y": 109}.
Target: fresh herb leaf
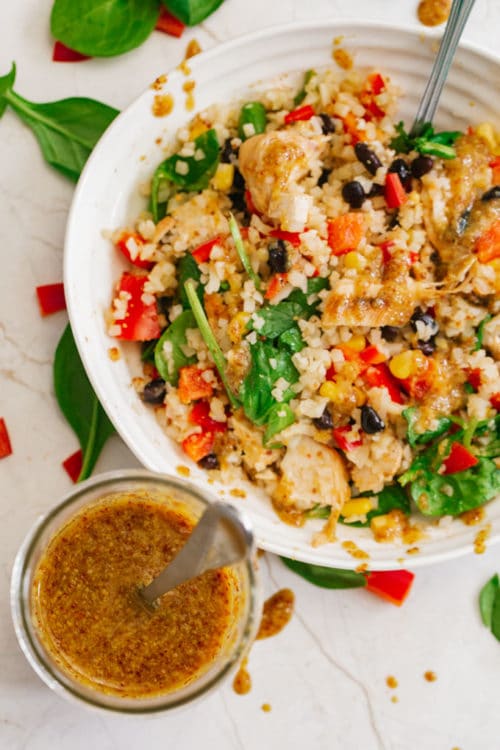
{"x": 173, "y": 339}
{"x": 280, "y": 416}
{"x": 280, "y": 317}
{"x": 79, "y": 403}
{"x": 480, "y": 332}
{"x": 240, "y": 249}
{"x": 268, "y": 365}
{"x": 67, "y": 130}
{"x": 192, "y": 12}
{"x": 102, "y": 28}
{"x": 188, "y": 268}
{"x": 188, "y": 173}
{"x": 210, "y": 340}
{"x": 487, "y": 597}
{"x": 327, "y": 578}
{"x": 252, "y": 113}
{"x": 420, "y": 438}
{"x": 426, "y": 142}
{"x": 301, "y": 95}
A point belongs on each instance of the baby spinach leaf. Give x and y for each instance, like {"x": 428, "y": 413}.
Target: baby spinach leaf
{"x": 268, "y": 365}
{"x": 148, "y": 351}
{"x": 192, "y": 12}
{"x": 102, "y": 28}
{"x": 480, "y": 333}
{"x": 67, "y": 130}
{"x": 291, "y": 339}
{"x": 169, "y": 363}
{"x": 487, "y": 597}
{"x": 392, "y": 497}
{"x": 280, "y": 416}
{"x": 280, "y": 317}
{"x": 327, "y": 578}
{"x": 187, "y": 268}
{"x": 420, "y": 438}
{"x": 488, "y": 430}
{"x": 188, "y": 173}
{"x": 79, "y": 403}
{"x": 495, "y": 616}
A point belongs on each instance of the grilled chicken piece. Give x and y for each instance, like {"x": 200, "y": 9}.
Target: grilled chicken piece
{"x": 255, "y": 457}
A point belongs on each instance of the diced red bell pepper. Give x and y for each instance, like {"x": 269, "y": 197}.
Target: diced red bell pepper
{"x": 495, "y": 167}
{"x": 487, "y": 245}
{"x": 301, "y": 113}
{"x": 276, "y": 284}
{"x": 73, "y": 465}
{"x": 392, "y": 585}
{"x": 385, "y": 248}
{"x": 122, "y": 246}
{"x": 202, "y": 253}
{"x": 379, "y": 376}
{"x": 394, "y": 192}
{"x": 141, "y": 322}
{"x": 292, "y": 237}
{"x": 344, "y": 443}
{"x": 330, "y": 373}
{"x": 345, "y": 232}
{"x": 61, "y": 53}
{"x": 200, "y": 415}
{"x": 192, "y": 385}
{"x": 495, "y": 401}
{"x": 51, "y": 298}
{"x": 169, "y": 24}
{"x": 459, "y": 459}
{"x": 374, "y": 86}
{"x": 474, "y": 378}
{"x": 5, "y": 445}
{"x": 372, "y": 356}
{"x": 199, "y": 445}
{"x": 351, "y": 128}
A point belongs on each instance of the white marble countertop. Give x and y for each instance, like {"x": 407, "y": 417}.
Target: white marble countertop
{"x": 324, "y": 675}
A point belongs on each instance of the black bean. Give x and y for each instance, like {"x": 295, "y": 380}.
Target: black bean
{"x": 367, "y": 157}
{"x": 164, "y": 304}
{"x": 325, "y": 174}
{"x": 238, "y": 180}
{"x": 427, "y": 319}
{"x": 401, "y": 168}
{"x": 327, "y": 123}
{"x": 325, "y": 422}
{"x": 491, "y": 194}
{"x": 278, "y": 257}
{"x": 427, "y": 347}
{"x": 354, "y": 194}
{"x": 227, "y": 154}
{"x": 371, "y": 422}
{"x": 154, "y": 391}
{"x": 394, "y": 220}
{"x": 421, "y": 165}
{"x": 209, "y": 461}
{"x": 238, "y": 201}
{"x": 389, "y": 333}
{"x": 376, "y": 190}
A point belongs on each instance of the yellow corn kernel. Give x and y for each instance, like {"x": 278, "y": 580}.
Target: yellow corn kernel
{"x": 403, "y": 365}
{"x": 356, "y": 507}
{"x": 354, "y": 260}
{"x": 197, "y": 128}
{"x": 488, "y": 134}
{"x": 223, "y": 177}
{"x": 330, "y": 390}
{"x": 356, "y": 343}
{"x": 237, "y": 326}
{"x": 360, "y": 396}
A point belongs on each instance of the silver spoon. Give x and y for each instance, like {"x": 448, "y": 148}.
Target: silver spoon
{"x": 459, "y": 13}
{"x": 221, "y": 537}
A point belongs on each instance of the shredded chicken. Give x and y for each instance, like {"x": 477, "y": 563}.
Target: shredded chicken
{"x": 249, "y": 439}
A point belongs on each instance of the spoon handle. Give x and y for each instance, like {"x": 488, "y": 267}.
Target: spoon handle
{"x": 460, "y": 11}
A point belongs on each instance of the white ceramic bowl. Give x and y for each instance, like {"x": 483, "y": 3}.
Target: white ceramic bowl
{"x": 107, "y": 197}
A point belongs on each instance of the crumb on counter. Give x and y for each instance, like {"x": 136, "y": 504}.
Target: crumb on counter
{"x": 430, "y": 676}
{"x": 266, "y": 707}
{"x": 391, "y": 682}
{"x": 433, "y": 12}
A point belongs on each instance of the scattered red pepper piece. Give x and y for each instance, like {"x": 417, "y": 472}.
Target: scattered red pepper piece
{"x": 459, "y": 459}
{"x": 379, "y": 376}
{"x": 344, "y": 443}
{"x": 200, "y": 415}
{"x": 292, "y": 237}
{"x": 61, "y": 53}
{"x": 385, "y": 248}
{"x": 73, "y": 465}
{"x": 250, "y": 204}
{"x": 199, "y": 445}
{"x": 474, "y": 378}
{"x": 374, "y": 86}
{"x": 495, "y": 167}
{"x": 395, "y": 194}
{"x": 330, "y": 373}
{"x": 301, "y": 113}
{"x": 372, "y": 356}
{"x": 202, "y": 253}
{"x": 351, "y": 128}
{"x": 141, "y": 321}
{"x": 392, "y": 585}
{"x": 51, "y": 298}
{"x": 495, "y": 401}
{"x": 345, "y": 232}
{"x": 122, "y": 246}
{"x": 5, "y": 444}
{"x": 169, "y": 24}
{"x": 192, "y": 385}
{"x": 276, "y": 284}
{"x": 487, "y": 245}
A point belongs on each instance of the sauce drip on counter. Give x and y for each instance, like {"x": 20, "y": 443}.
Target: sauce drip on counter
{"x": 242, "y": 683}
{"x": 430, "y": 676}
{"x": 277, "y": 612}
{"x": 89, "y": 618}
{"x": 433, "y": 12}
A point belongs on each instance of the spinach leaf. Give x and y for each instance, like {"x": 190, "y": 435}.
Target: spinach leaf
{"x": 256, "y": 389}
{"x": 280, "y": 317}
{"x": 495, "y": 617}
{"x": 480, "y": 333}
{"x": 187, "y": 268}
{"x": 327, "y": 578}
{"x": 67, "y": 130}
{"x": 79, "y": 403}
{"x": 192, "y": 12}
{"x": 487, "y": 597}
{"x": 420, "y": 438}
{"x": 451, "y": 494}
{"x": 169, "y": 363}
{"x": 392, "y": 497}
{"x": 291, "y": 339}
{"x": 280, "y": 416}
{"x": 426, "y": 142}
{"x": 102, "y": 28}
{"x": 148, "y": 351}
{"x": 188, "y": 173}
{"x": 489, "y": 431}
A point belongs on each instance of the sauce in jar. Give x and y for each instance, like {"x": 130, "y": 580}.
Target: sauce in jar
{"x": 90, "y": 620}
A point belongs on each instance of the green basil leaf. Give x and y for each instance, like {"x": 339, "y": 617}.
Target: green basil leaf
{"x": 252, "y": 113}
{"x": 192, "y": 12}
{"x": 187, "y": 268}
{"x": 487, "y": 597}
{"x": 102, "y": 28}
{"x": 480, "y": 332}
{"x": 420, "y": 438}
{"x": 79, "y": 403}
{"x": 495, "y": 616}
{"x": 188, "y": 173}
{"x": 268, "y": 365}
{"x": 6, "y": 84}
{"x": 327, "y": 578}
{"x": 280, "y": 416}
{"x": 169, "y": 363}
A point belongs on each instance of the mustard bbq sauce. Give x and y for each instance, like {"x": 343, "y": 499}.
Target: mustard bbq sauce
{"x": 90, "y": 620}
{"x": 277, "y": 612}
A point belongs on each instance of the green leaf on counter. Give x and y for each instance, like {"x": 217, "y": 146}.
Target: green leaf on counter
{"x": 174, "y": 338}
{"x": 79, "y": 403}
{"x": 6, "y": 84}
{"x": 192, "y": 12}
{"x": 327, "y": 578}
{"x": 487, "y": 597}
{"x": 102, "y": 28}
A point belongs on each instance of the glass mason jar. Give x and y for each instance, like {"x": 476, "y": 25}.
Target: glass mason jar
{"x": 181, "y": 495}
